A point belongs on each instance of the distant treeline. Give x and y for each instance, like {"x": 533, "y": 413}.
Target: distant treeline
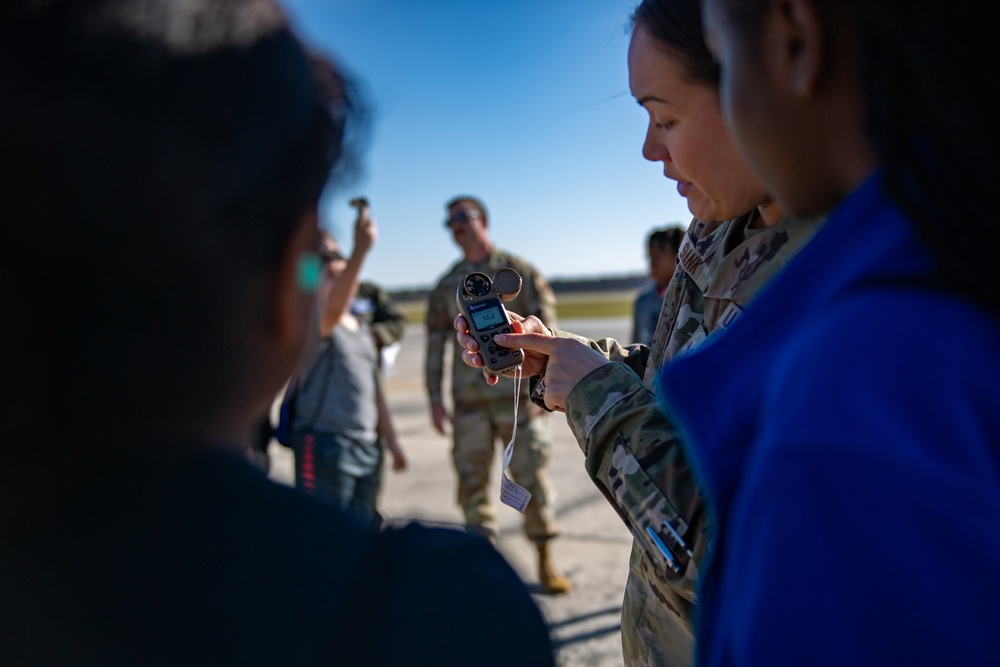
{"x": 559, "y": 285}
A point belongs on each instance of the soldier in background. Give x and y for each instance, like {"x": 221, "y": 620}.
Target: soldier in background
{"x": 376, "y": 308}
{"x": 662, "y": 246}
{"x": 485, "y": 414}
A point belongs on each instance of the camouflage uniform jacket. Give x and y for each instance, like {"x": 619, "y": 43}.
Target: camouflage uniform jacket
{"x": 373, "y": 305}
{"x": 632, "y": 450}
{"x": 536, "y": 298}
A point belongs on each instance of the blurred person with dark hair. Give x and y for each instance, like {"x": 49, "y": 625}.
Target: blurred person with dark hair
{"x": 162, "y": 163}
{"x": 661, "y": 249}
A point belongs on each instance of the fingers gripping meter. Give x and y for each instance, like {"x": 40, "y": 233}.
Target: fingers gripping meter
{"x": 480, "y": 300}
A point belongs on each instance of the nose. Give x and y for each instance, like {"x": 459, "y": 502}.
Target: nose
{"x": 654, "y": 148}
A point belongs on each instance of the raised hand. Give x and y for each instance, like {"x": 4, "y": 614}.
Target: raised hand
{"x": 365, "y": 230}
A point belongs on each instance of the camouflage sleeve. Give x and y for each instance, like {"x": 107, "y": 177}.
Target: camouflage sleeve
{"x": 439, "y": 333}
{"x": 634, "y": 356}
{"x": 633, "y": 454}
{"x": 388, "y": 322}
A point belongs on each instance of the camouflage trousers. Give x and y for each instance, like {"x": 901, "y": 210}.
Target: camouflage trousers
{"x": 656, "y": 622}
{"x": 477, "y": 430}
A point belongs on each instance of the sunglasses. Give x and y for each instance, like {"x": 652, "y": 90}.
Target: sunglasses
{"x": 462, "y": 217}
{"x": 327, "y": 256}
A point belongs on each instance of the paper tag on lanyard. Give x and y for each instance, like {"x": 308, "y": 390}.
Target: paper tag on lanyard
{"x": 511, "y": 494}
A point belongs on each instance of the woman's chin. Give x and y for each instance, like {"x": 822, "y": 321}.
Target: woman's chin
{"x": 701, "y": 209}
{"x": 708, "y": 211}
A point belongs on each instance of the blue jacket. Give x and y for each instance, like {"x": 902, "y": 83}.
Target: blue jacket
{"x": 847, "y": 432}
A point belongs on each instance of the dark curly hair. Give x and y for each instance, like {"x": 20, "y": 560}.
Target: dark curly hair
{"x": 668, "y": 237}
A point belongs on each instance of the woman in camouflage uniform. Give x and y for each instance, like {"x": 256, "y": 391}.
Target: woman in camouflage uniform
{"x": 737, "y": 242}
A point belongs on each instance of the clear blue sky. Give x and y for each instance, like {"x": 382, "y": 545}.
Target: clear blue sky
{"x": 523, "y": 103}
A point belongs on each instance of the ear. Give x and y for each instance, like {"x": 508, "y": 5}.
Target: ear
{"x": 293, "y": 305}
{"x": 798, "y": 45}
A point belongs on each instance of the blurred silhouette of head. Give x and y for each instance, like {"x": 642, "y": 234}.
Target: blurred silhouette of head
{"x": 158, "y": 160}
{"x": 663, "y": 245}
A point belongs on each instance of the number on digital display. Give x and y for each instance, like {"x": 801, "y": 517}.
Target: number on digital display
{"x": 487, "y": 319}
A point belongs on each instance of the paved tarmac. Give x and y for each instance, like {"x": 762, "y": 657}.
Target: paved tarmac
{"x": 593, "y": 547}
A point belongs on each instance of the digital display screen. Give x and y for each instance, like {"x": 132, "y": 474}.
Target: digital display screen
{"x": 490, "y": 317}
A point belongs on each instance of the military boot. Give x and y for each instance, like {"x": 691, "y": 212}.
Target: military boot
{"x": 549, "y": 576}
